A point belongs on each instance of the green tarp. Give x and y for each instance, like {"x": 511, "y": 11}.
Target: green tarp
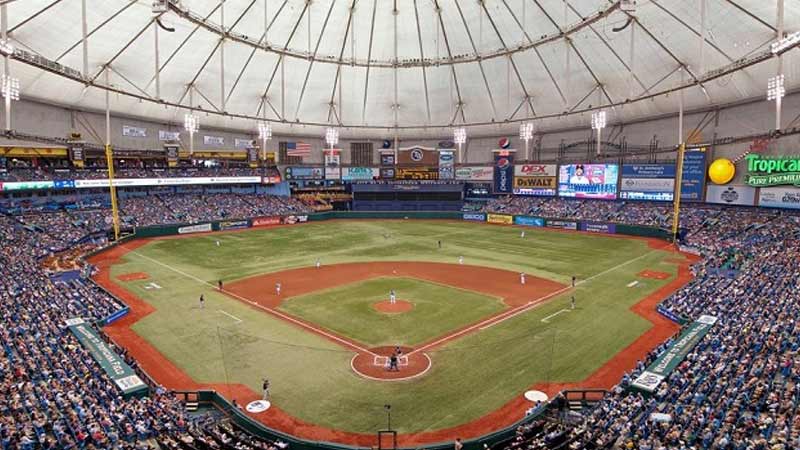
{"x": 121, "y": 373}
{"x": 649, "y": 380}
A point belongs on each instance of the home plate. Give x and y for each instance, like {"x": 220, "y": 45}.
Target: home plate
{"x": 535, "y": 396}
{"x": 633, "y": 283}
{"x": 258, "y": 406}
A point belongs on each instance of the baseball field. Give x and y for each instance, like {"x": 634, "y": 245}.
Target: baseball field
{"x": 474, "y": 338}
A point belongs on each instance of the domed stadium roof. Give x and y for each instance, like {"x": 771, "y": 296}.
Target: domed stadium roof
{"x": 420, "y": 66}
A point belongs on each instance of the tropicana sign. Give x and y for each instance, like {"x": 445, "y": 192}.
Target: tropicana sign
{"x": 763, "y": 172}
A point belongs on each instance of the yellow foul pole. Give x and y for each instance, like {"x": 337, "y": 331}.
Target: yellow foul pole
{"x": 677, "y": 200}
{"x": 112, "y": 190}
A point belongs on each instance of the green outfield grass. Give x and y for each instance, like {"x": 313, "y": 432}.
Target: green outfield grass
{"x": 229, "y": 341}
{"x": 348, "y": 310}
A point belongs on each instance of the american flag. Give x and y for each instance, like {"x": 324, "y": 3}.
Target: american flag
{"x": 300, "y": 149}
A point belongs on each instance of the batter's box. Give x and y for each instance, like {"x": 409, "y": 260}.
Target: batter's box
{"x": 383, "y": 361}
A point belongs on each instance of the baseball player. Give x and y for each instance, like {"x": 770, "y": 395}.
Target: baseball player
{"x": 277, "y": 288}
{"x": 202, "y": 302}
{"x": 522, "y": 278}
{"x": 392, "y": 297}
{"x": 461, "y": 260}
{"x": 319, "y": 263}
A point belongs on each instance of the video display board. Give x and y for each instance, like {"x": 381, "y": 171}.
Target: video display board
{"x": 596, "y": 181}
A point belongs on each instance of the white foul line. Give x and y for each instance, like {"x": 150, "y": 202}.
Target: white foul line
{"x": 554, "y": 314}
{"x": 257, "y": 305}
{"x": 238, "y": 320}
{"x": 492, "y": 321}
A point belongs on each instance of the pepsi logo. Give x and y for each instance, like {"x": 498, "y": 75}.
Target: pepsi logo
{"x": 504, "y": 143}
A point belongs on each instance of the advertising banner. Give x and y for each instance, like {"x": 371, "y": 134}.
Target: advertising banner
{"x": 27, "y": 185}
{"x": 417, "y": 173}
{"x": 61, "y": 184}
{"x": 779, "y": 197}
{"x": 172, "y": 154}
{"x": 387, "y": 173}
{"x": 774, "y": 171}
{"x": 243, "y": 143}
{"x": 114, "y": 365}
{"x": 266, "y": 221}
{"x": 176, "y": 181}
{"x": 504, "y": 219}
{"x": 561, "y": 224}
{"x": 649, "y": 380}
{"x": 359, "y": 173}
{"x": 648, "y": 182}
{"x": 731, "y": 194}
{"x": 164, "y": 135}
{"x": 201, "y": 228}
{"x": 387, "y": 159}
{"x": 694, "y": 175}
{"x": 252, "y": 156}
{"x": 478, "y": 217}
{"x": 333, "y": 173}
{"x": 131, "y": 131}
{"x": 597, "y": 181}
{"x": 333, "y": 157}
{"x": 535, "y": 179}
{"x": 598, "y": 227}
{"x": 214, "y": 140}
{"x": 303, "y": 173}
{"x": 503, "y": 173}
{"x": 529, "y": 221}
{"x": 76, "y": 153}
{"x": 446, "y": 165}
{"x": 475, "y": 173}
{"x": 233, "y": 224}
{"x": 291, "y": 220}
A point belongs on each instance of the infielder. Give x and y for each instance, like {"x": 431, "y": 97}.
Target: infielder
{"x": 392, "y": 297}
{"x": 278, "y": 288}
{"x": 522, "y": 278}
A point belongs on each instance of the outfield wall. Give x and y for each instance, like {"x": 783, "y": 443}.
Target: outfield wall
{"x": 492, "y": 218}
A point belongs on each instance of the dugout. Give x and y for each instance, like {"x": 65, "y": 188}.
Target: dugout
{"x": 408, "y": 197}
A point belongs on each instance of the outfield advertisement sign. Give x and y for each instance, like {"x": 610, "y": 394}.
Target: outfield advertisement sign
{"x": 529, "y": 221}
{"x": 478, "y": 217}
{"x": 115, "y": 367}
{"x": 694, "y": 175}
{"x": 503, "y": 173}
{"x": 266, "y": 221}
{"x": 731, "y": 195}
{"x": 649, "y": 380}
{"x": 535, "y": 179}
{"x": 233, "y": 224}
{"x": 779, "y": 197}
{"x": 503, "y": 219}
{"x": 648, "y": 182}
{"x": 27, "y": 185}
{"x": 475, "y": 173}
{"x": 561, "y": 224}
{"x": 598, "y": 227}
{"x": 772, "y": 171}
{"x": 177, "y": 181}
{"x": 201, "y": 228}
{"x": 291, "y": 220}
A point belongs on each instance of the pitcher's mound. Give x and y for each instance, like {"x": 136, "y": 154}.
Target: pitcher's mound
{"x": 386, "y": 307}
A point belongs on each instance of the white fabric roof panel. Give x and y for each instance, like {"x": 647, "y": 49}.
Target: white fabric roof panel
{"x": 465, "y": 42}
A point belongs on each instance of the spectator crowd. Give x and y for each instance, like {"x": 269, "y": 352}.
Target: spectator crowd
{"x": 738, "y": 389}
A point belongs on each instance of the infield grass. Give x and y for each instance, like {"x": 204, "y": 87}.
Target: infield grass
{"x": 311, "y": 376}
{"x": 348, "y": 310}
